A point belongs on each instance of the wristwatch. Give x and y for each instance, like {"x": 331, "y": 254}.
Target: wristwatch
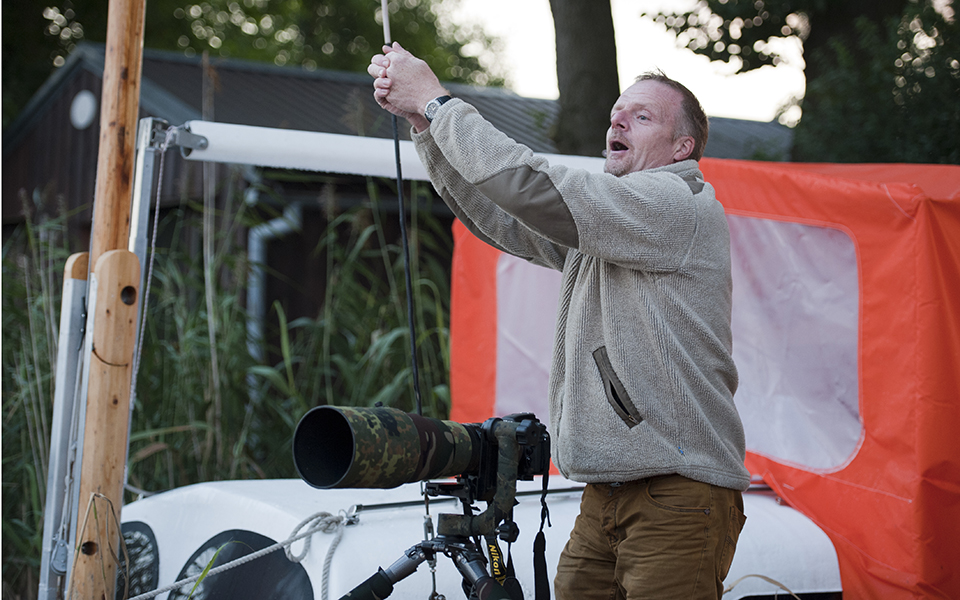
{"x": 433, "y": 106}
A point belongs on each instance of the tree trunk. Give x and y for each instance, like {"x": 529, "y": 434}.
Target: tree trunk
{"x": 586, "y": 74}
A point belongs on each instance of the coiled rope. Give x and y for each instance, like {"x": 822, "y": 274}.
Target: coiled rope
{"x": 318, "y": 522}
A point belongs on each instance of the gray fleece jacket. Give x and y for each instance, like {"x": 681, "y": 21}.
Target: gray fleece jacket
{"x": 642, "y": 380}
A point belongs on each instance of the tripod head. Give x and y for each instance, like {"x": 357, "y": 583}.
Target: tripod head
{"x": 517, "y": 447}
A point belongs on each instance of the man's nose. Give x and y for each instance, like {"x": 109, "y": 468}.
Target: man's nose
{"x": 617, "y": 120}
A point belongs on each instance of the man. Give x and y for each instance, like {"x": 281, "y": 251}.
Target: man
{"x": 642, "y": 382}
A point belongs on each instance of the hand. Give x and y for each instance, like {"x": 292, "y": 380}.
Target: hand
{"x": 403, "y": 84}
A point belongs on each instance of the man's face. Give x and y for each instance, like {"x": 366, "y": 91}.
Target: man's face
{"x": 641, "y": 130}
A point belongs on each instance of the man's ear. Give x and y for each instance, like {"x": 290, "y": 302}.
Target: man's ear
{"x": 682, "y": 148}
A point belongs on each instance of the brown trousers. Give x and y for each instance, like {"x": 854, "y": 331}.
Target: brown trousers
{"x": 658, "y": 538}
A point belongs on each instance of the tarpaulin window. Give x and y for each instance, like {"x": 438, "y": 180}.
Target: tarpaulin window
{"x": 795, "y": 321}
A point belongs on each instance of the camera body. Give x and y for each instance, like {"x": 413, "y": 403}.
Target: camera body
{"x": 533, "y": 458}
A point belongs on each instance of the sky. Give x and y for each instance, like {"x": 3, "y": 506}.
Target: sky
{"x": 526, "y": 28}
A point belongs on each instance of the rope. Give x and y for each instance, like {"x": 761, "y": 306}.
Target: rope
{"x": 325, "y": 579}
{"x": 328, "y": 524}
{"x": 730, "y": 587}
{"x": 414, "y": 363}
{"x": 91, "y": 506}
{"x": 153, "y": 252}
{"x": 325, "y": 522}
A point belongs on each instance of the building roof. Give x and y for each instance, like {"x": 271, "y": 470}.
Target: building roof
{"x": 262, "y": 94}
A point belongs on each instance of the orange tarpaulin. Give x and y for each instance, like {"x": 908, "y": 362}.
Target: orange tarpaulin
{"x": 851, "y": 399}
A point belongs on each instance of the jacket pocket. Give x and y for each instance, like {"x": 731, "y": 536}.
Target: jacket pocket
{"x": 616, "y": 394}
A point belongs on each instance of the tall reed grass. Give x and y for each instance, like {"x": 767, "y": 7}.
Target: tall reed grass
{"x": 33, "y": 259}
{"x": 354, "y": 352}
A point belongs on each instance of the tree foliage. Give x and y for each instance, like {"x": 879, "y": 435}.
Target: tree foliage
{"x": 900, "y": 105}
{"x": 332, "y": 34}
{"x": 740, "y": 31}
{"x": 883, "y": 76}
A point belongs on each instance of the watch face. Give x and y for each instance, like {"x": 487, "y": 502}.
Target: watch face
{"x": 431, "y": 109}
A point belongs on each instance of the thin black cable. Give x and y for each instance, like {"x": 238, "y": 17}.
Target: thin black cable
{"x": 406, "y": 268}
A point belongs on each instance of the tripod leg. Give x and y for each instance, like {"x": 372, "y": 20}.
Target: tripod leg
{"x": 487, "y": 588}
{"x": 380, "y": 584}
{"x": 377, "y": 587}
{"x": 472, "y": 566}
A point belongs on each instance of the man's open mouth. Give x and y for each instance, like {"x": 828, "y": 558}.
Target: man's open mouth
{"x": 617, "y": 146}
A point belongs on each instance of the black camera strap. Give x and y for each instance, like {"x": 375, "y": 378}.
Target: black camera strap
{"x": 511, "y": 583}
{"x": 540, "y": 580}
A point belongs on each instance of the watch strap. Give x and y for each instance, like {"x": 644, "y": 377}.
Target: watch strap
{"x": 434, "y": 105}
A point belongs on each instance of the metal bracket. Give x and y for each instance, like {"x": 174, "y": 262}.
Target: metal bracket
{"x": 352, "y": 515}
{"x": 180, "y": 136}
{"x": 58, "y": 561}
{"x": 152, "y": 138}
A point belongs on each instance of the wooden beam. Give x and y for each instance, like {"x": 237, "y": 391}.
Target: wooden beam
{"x": 104, "y": 453}
{"x": 77, "y": 266}
{"x": 119, "y": 102}
{"x": 116, "y": 275}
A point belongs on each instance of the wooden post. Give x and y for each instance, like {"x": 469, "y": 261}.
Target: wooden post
{"x": 118, "y": 126}
{"x": 116, "y": 275}
{"x": 104, "y": 453}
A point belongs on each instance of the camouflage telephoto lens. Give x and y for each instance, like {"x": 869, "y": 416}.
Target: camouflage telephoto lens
{"x": 340, "y": 447}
